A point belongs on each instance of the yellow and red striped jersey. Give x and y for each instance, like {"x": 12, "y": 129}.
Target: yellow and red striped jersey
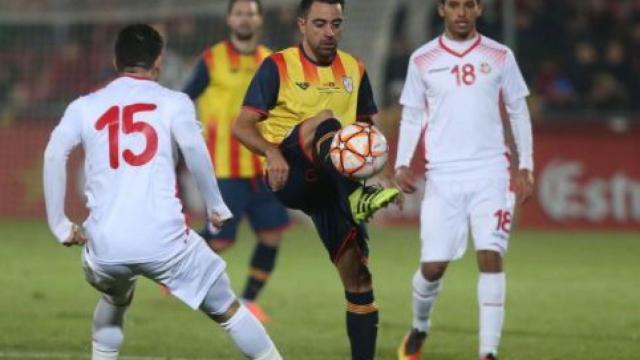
{"x": 289, "y": 88}
{"x": 218, "y": 86}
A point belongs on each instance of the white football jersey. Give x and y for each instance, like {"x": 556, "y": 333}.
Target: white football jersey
{"x": 129, "y": 131}
{"x": 460, "y": 91}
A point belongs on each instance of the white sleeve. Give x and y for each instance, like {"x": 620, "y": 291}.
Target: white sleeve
{"x": 514, "y": 92}
{"x": 411, "y": 127}
{"x": 187, "y": 134}
{"x": 414, "y": 91}
{"x": 65, "y": 137}
{"x": 512, "y": 84}
{"x": 521, "y": 126}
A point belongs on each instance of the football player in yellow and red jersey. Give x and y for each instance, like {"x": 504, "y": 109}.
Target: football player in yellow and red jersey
{"x": 299, "y": 98}
{"x": 218, "y": 85}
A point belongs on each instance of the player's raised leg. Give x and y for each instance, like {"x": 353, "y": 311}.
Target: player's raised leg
{"x": 317, "y": 134}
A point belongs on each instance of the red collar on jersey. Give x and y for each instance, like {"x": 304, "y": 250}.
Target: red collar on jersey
{"x": 455, "y": 53}
{"x": 136, "y": 76}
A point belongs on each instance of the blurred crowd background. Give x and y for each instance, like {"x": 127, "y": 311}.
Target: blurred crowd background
{"x": 580, "y": 57}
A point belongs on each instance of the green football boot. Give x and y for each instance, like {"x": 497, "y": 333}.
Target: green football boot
{"x": 366, "y": 200}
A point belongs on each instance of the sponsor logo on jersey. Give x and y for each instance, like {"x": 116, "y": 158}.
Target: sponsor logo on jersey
{"x": 303, "y": 85}
{"x": 437, "y": 70}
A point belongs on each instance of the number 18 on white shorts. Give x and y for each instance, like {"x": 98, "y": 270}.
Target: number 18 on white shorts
{"x": 451, "y": 207}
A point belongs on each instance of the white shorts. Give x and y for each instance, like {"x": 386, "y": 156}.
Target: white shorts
{"x": 188, "y": 275}
{"x": 450, "y": 207}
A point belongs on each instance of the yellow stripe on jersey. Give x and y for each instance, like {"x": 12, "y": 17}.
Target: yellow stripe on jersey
{"x": 306, "y": 89}
{"x": 230, "y": 73}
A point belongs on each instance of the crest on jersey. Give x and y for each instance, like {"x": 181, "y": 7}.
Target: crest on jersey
{"x": 485, "y": 68}
{"x": 347, "y": 81}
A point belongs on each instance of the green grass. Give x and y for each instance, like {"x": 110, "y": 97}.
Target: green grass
{"x": 570, "y": 296}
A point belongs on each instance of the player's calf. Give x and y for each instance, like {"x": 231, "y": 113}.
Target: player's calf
{"x": 108, "y": 332}
{"x": 244, "y": 329}
{"x": 362, "y": 312}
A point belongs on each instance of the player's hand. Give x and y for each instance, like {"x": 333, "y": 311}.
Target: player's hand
{"x": 405, "y": 180}
{"x": 76, "y": 237}
{"x": 218, "y": 221}
{"x": 277, "y": 169}
{"x": 523, "y": 185}
{"x": 387, "y": 181}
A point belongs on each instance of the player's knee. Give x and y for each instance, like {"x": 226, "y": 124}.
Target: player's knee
{"x": 225, "y": 315}
{"x": 121, "y": 301}
{"x": 327, "y": 126}
{"x": 270, "y": 238}
{"x": 489, "y": 261}
{"x": 360, "y": 280}
{"x": 433, "y": 271}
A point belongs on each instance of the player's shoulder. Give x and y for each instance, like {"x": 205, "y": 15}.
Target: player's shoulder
{"x": 426, "y": 53}
{"x": 220, "y": 45}
{"x": 263, "y": 49}
{"x": 290, "y": 51}
{"x": 346, "y": 56}
{"x": 489, "y": 44}
{"x": 177, "y": 98}
{"x": 429, "y": 47}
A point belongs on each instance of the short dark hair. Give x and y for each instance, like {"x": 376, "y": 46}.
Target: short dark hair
{"x": 137, "y": 45}
{"x": 305, "y": 5}
{"x": 233, "y": 2}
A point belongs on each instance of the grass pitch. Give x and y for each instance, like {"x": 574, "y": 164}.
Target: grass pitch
{"x": 570, "y": 296}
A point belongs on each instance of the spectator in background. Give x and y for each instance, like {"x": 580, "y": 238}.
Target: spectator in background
{"x": 583, "y": 66}
{"x": 555, "y": 87}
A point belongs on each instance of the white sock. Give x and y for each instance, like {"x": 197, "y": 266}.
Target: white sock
{"x": 108, "y": 332}
{"x": 424, "y": 295}
{"x": 98, "y": 354}
{"x": 250, "y": 336}
{"x": 491, "y": 297}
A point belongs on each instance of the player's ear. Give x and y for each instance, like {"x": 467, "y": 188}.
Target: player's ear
{"x": 158, "y": 63}
{"x": 302, "y": 22}
{"x": 114, "y": 63}
{"x": 441, "y": 9}
{"x": 480, "y": 8}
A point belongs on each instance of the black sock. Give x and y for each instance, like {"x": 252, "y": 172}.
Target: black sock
{"x": 362, "y": 325}
{"x": 322, "y": 145}
{"x": 262, "y": 263}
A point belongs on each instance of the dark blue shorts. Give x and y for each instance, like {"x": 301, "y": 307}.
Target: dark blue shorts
{"x": 311, "y": 189}
{"x": 250, "y": 197}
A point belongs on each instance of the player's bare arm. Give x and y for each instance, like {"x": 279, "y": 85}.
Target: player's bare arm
{"x": 523, "y": 184}
{"x": 245, "y": 129}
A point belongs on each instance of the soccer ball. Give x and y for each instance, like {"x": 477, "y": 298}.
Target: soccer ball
{"x": 359, "y": 151}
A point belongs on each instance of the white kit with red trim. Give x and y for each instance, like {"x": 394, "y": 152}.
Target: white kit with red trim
{"x": 130, "y": 131}
{"x": 458, "y": 86}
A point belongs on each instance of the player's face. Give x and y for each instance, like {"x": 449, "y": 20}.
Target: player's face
{"x": 322, "y": 29}
{"x": 460, "y": 17}
{"x": 244, "y": 20}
